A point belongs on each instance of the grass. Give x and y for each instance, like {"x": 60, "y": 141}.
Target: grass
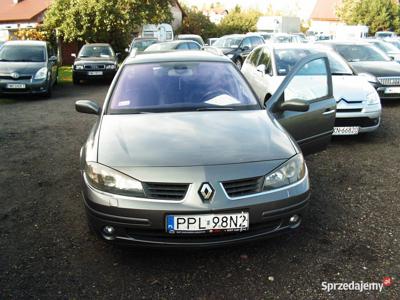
{"x": 65, "y": 74}
{"x": 7, "y": 101}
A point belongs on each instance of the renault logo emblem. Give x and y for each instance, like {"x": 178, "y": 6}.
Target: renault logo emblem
{"x": 206, "y": 192}
{"x": 15, "y": 75}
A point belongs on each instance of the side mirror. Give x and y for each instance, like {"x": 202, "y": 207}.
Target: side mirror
{"x": 53, "y": 58}
{"x": 293, "y": 105}
{"x": 245, "y": 48}
{"x": 87, "y": 107}
{"x": 127, "y": 50}
{"x": 118, "y": 55}
{"x": 261, "y": 68}
{"x": 73, "y": 55}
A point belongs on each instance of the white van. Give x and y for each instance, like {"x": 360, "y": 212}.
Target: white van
{"x": 162, "y": 32}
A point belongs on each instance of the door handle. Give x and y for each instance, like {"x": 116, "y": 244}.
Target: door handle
{"x": 329, "y": 111}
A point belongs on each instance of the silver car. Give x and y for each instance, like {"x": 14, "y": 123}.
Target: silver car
{"x": 183, "y": 154}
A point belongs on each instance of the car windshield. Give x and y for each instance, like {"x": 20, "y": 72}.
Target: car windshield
{"x": 22, "y": 53}
{"x": 191, "y": 38}
{"x": 286, "y": 59}
{"x": 161, "y": 47}
{"x": 385, "y": 47}
{"x": 96, "y": 51}
{"x": 228, "y": 42}
{"x": 355, "y": 53}
{"x": 141, "y": 45}
{"x": 180, "y": 86}
{"x": 281, "y": 39}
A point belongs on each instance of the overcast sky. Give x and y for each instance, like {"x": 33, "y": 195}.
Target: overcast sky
{"x": 304, "y": 7}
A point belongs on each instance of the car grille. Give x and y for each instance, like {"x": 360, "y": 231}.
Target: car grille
{"x": 348, "y": 110}
{"x": 389, "y": 80}
{"x": 243, "y": 187}
{"x": 94, "y": 67}
{"x": 362, "y": 122}
{"x": 165, "y": 191}
{"x": 21, "y": 77}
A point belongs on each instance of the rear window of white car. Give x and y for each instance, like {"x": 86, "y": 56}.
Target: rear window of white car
{"x": 180, "y": 86}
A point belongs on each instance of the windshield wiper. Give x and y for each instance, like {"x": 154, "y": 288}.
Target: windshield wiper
{"x": 339, "y": 73}
{"x": 215, "y": 108}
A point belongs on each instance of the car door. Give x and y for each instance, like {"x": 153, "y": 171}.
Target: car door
{"x": 304, "y": 104}
{"x": 245, "y": 47}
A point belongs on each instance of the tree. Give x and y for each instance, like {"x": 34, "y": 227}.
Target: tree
{"x": 109, "y": 21}
{"x": 196, "y": 22}
{"x": 32, "y": 34}
{"x": 239, "y": 21}
{"x": 377, "y": 14}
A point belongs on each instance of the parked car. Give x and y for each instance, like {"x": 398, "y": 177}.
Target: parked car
{"x": 238, "y": 46}
{"x": 141, "y": 44}
{"x": 373, "y": 64}
{"x": 385, "y": 34}
{"x": 265, "y": 35}
{"x": 358, "y": 103}
{"x": 27, "y": 67}
{"x": 386, "y": 47}
{"x": 174, "y": 45}
{"x": 152, "y": 169}
{"x": 394, "y": 41}
{"x": 94, "y": 61}
{"x": 211, "y": 41}
{"x": 191, "y": 37}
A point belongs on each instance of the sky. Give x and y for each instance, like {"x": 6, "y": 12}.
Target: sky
{"x": 302, "y": 7}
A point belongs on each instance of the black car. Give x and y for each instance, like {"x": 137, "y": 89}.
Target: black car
{"x": 391, "y": 50}
{"x": 27, "y": 67}
{"x": 95, "y": 61}
{"x": 173, "y": 46}
{"x": 367, "y": 60}
{"x": 238, "y": 46}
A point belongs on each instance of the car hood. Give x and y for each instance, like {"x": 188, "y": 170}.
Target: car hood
{"x": 27, "y": 68}
{"x": 191, "y": 139}
{"x": 95, "y": 60}
{"x": 351, "y": 88}
{"x": 377, "y": 68}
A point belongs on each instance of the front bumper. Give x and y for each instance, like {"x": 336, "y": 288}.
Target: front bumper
{"x": 366, "y": 121}
{"x": 144, "y": 223}
{"x": 85, "y": 74}
{"x": 31, "y": 86}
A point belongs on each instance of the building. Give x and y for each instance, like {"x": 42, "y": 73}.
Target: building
{"x": 20, "y": 14}
{"x": 323, "y": 17}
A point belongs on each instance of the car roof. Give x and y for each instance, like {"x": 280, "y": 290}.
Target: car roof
{"x": 31, "y": 43}
{"x": 176, "y": 56}
{"x": 97, "y": 44}
{"x": 189, "y": 35}
{"x": 282, "y": 46}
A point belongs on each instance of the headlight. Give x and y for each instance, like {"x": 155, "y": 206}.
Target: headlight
{"x": 110, "y": 67}
{"x": 373, "y": 98}
{"x": 369, "y": 77}
{"x": 112, "y": 181}
{"x": 78, "y": 67}
{"x": 290, "y": 172}
{"x": 41, "y": 74}
{"x": 230, "y": 55}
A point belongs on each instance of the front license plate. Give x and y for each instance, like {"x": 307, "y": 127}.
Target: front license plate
{"x": 392, "y": 90}
{"x": 210, "y": 223}
{"x": 353, "y": 130}
{"x": 16, "y": 86}
{"x": 95, "y": 73}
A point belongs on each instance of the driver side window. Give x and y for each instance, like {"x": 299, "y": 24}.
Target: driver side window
{"x": 310, "y": 83}
{"x": 265, "y": 59}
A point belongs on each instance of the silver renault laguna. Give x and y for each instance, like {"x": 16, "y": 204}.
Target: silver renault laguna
{"x": 183, "y": 155}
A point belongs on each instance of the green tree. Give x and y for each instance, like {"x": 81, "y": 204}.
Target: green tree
{"x": 111, "y": 21}
{"x": 196, "y": 22}
{"x": 377, "y": 14}
{"x": 239, "y": 21}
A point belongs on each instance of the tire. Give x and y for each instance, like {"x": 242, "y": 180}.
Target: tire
{"x": 49, "y": 90}
{"x": 238, "y": 63}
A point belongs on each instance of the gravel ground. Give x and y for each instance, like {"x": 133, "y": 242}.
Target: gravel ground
{"x": 351, "y": 231}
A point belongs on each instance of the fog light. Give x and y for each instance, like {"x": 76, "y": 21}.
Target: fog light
{"x": 294, "y": 219}
{"x": 108, "y": 230}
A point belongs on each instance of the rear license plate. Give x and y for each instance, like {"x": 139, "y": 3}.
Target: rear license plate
{"x": 210, "y": 223}
{"x": 392, "y": 90}
{"x": 16, "y": 86}
{"x": 95, "y": 73}
{"x": 353, "y": 130}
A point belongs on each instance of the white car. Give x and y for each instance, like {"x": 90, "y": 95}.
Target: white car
{"x": 358, "y": 104}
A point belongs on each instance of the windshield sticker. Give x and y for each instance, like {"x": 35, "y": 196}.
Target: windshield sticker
{"x": 223, "y": 100}
{"x": 124, "y": 103}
